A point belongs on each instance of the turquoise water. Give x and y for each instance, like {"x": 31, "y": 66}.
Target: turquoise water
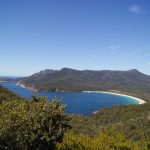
{"x": 77, "y": 102}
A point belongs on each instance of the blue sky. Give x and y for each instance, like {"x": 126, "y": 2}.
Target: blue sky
{"x": 79, "y": 34}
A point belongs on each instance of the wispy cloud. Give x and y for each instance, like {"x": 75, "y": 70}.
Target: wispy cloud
{"x": 94, "y": 56}
{"x": 135, "y": 9}
{"x": 149, "y": 63}
{"x": 114, "y": 47}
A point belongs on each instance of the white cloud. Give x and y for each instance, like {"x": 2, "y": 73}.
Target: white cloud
{"x": 149, "y": 63}
{"x": 114, "y": 47}
{"x": 136, "y": 9}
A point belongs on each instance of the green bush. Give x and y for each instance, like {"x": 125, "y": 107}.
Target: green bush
{"x": 32, "y": 124}
{"x": 105, "y": 140}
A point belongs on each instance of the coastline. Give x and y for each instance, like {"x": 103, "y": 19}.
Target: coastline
{"x": 140, "y": 101}
{"x": 137, "y": 100}
{"x": 24, "y": 86}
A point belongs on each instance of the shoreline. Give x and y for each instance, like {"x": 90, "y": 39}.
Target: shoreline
{"x": 24, "y": 86}
{"x": 140, "y": 101}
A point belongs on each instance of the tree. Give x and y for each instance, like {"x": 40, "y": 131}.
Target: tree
{"x": 32, "y": 124}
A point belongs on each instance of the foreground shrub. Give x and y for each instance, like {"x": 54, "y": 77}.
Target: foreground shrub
{"x": 105, "y": 140}
{"x": 33, "y": 124}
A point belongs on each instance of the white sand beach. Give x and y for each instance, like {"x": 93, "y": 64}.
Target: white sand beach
{"x": 140, "y": 101}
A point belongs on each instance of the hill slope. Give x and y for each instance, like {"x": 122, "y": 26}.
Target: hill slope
{"x": 130, "y": 82}
{"x": 132, "y": 118}
{"x": 6, "y": 95}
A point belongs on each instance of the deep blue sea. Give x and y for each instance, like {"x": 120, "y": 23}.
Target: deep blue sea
{"x": 77, "y": 102}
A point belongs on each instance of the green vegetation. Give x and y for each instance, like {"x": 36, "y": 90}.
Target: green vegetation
{"x": 134, "y": 120}
{"x": 32, "y": 124}
{"x": 105, "y": 140}
{"x": 116, "y": 128}
{"x": 39, "y": 124}
{"x": 6, "y": 95}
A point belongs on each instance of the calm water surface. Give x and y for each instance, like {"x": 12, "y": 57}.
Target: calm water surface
{"x": 80, "y": 102}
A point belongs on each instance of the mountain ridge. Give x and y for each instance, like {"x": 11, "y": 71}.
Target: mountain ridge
{"x": 67, "y": 79}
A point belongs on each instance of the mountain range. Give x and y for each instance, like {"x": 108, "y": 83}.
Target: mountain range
{"x": 88, "y": 80}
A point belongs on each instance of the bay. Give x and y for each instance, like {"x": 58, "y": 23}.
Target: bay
{"x": 77, "y": 102}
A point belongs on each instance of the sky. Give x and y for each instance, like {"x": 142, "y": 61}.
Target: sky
{"x": 79, "y": 34}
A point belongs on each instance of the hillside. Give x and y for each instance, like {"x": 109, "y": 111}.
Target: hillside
{"x": 130, "y": 82}
{"x": 6, "y": 95}
{"x": 133, "y": 119}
